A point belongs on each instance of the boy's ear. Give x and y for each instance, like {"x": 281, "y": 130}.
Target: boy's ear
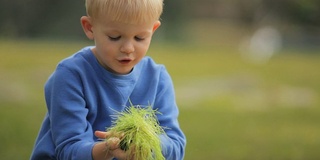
{"x": 87, "y": 26}
{"x": 156, "y": 25}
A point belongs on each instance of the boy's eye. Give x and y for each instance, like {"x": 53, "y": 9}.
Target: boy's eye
{"x": 138, "y": 38}
{"x": 114, "y": 38}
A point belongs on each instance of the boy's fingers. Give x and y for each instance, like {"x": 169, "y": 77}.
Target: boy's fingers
{"x": 113, "y": 143}
{"x": 102, "y": 135}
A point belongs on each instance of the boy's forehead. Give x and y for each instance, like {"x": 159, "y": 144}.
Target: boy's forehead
{"x": 109, "y": 20}
{"x": 119, "y": 26}
{"x": 124, "y": 18}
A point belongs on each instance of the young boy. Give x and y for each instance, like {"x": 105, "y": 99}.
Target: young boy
{"x": 89, "y": 87}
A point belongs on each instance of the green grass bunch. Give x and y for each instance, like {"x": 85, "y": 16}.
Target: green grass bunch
{"x": 139, "y": 130}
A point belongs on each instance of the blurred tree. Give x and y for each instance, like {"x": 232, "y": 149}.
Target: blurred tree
{"x": 34, "y": 18}
{"x": 38, "y": 18}
{"x": 20, "y": 18}
{"x": 293, "y": 11}
{"x": 173, "y": 20}
{"x": 63, "y": 20}
{"x": 305, "y": 12}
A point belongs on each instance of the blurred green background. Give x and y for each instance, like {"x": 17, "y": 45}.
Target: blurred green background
{"x": 246, "y": 73}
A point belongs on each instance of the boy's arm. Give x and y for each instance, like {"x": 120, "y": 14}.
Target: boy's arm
{"x": 71, "y": 132}
{"x": 174, "y": 143}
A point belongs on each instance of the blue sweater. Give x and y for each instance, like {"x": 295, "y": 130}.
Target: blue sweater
{"x": 82, "y": 96}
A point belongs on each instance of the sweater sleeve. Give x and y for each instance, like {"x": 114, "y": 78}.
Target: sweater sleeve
{"x": 173, "y": 145}
{"x": 71, "y": 133}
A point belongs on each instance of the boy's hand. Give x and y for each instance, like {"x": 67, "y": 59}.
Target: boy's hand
{"x": 108, "y": 149}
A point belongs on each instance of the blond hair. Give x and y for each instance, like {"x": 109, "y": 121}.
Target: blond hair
{"x": 127, "y": 11}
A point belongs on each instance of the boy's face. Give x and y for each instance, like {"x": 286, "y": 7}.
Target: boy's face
{"x": 120, "y": 46}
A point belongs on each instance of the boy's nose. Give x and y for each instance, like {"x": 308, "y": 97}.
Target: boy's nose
{"x": 127, "y": 48}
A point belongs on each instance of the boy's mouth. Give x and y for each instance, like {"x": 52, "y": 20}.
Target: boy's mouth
{"x": 125, "y": 61}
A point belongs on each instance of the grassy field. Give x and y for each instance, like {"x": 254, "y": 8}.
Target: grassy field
{"x": 231, "y": 109}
